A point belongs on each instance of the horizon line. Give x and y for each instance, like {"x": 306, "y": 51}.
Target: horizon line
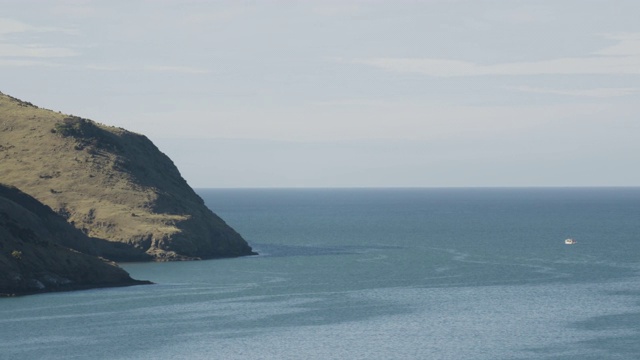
{"x": 417, "y": 187}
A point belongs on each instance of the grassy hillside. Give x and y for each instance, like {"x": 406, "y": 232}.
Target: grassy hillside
{"x": 110, "y": 183}
{"x": 32, "y": 258}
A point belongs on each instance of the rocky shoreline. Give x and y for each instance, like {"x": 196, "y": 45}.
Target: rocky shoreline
{"x": 96, "y": 194}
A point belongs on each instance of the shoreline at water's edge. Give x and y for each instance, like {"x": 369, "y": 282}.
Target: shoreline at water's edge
{"x": 133, "y": 282}
{"x": 77, "y": 288}
{"x": 186, "y": 258}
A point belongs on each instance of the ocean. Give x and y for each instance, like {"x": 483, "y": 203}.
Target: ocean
{"x": 371, "y": 274}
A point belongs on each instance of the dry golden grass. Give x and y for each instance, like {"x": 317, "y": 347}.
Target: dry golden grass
{"x": 110, "y": 183}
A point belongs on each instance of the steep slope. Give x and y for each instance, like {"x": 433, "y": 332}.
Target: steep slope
{"x": 110, "y": 183}
{"x": 32, "y": 259}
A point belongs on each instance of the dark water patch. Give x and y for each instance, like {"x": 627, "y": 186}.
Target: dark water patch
{"x": 615, "y": 336}
{"x": 615, "y": 347}
{"x": 601, "y": 348}
{"x": 279, "y": 250}
{"x": 629, "y": 321}
{"x": 327, "y": 309}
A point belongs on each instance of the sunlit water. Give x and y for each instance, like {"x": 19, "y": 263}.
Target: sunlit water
{"x": 371, "y": 274}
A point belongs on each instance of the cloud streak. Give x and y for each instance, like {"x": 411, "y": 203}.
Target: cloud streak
{"x": 23, "y": 63}
{"x": 176, "y": 69}
{"x": 100, "y": 67}
{"x": 35, "y": 51}
{"x": 623, "y": 58}
{"x": 11, "y": 26}
{"x": 592, "y": 93}
{"x": 14, "y": 54}
{"x": 149, "y": 68}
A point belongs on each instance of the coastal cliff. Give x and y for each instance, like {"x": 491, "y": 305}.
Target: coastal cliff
{"x": 111, "y": 184}
{"x": 33, "y": 259}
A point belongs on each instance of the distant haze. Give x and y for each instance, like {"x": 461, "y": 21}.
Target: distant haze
{"x": 347, "y": 93}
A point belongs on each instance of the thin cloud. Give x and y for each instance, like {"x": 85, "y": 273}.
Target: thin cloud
{"x": 24, "y": 63}
{"x": 12, "y": 26}
{"x": 177, "y": 69}
{"x": 103, "y": 67}
{"x": 622, "y": 58}
{"x": 14, "y": 54}
{"x": 149, "y": 68}
{"x": 593, "y": 93}
{"x": 628, "y": 44}
{"x": 35, "y": 51}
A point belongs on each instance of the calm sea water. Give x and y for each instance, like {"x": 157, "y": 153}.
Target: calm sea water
{"x": 371, "y": 274}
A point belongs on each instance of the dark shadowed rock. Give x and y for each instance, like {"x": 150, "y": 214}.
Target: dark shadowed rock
{"x": 32, "y": 257}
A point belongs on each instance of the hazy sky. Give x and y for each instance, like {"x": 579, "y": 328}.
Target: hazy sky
{"x": 347, "y": 93}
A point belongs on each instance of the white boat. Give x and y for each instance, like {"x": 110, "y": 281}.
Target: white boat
{"x": 570, "y": 241}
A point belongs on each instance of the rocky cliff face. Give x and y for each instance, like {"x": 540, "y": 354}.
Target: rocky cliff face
{"x": 111, "y": 184}
{"x": 32, "y": 259}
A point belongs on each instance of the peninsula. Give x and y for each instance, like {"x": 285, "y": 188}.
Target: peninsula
{"x": 113, "y": 185}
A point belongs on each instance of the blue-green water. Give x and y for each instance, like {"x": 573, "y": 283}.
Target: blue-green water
{"x": 371, "y": 274}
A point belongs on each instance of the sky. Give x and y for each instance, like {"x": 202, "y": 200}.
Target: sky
{"x": 433, "y": 93}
